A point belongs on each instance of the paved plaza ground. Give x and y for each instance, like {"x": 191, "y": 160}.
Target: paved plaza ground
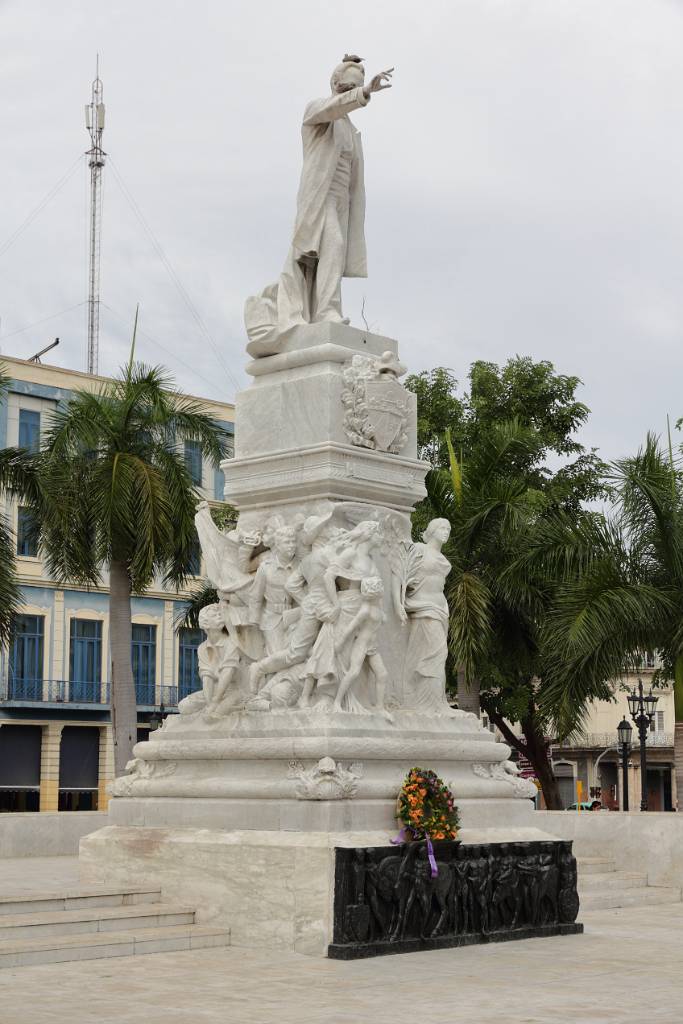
{"x": 625, "y": 969}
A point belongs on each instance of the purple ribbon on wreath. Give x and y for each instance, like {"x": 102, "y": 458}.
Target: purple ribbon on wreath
{"x": 432, "y": 858}
{"x": 401, "y": 838}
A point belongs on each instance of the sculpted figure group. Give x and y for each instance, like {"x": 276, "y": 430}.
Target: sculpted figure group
{"x": 476, "y": 890}
{"x": 300, "y": 606}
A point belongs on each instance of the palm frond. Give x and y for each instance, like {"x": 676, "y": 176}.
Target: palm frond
{"x": 203, "y": 595}
{"x": 469, "y": 602}
{"x": 455, "y": 468}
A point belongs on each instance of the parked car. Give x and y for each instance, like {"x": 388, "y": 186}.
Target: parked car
{"x": 586, "y": 805}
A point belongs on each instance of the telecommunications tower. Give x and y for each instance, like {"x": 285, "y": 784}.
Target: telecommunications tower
{"x": 94, "y": 122}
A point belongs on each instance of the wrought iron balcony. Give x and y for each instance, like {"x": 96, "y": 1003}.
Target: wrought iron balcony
{"x": 66, "y": 691}
{"x": 601, "y": 740}
{"x": 53, "y": 691}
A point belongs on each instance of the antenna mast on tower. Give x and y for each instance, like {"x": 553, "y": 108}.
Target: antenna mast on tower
{"x": 94, "y": 122}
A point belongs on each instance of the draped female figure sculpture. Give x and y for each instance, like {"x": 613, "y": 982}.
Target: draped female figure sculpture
{"x": 329, "y": 238}
{"x": 419, "y": 599}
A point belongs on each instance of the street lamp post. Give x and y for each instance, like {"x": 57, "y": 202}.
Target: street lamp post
{"x": 642, "y": 707}
{"x": 156, "y": 719}
{"x": 624, "y": 732}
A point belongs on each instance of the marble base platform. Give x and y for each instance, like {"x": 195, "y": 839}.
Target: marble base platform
{"x": 312, "y": 771}
{"x": 300, "y": 815}
{"x": 272, "y": 889}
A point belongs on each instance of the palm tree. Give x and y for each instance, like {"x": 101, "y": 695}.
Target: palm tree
{"x": 17, "y": 478}
{"x": 629, "y": 597}
{"x": 493, "y": 635}
{"x": 503, "y": 587}
{"x": 116, "y": 496}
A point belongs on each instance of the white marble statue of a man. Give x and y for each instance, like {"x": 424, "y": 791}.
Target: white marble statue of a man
{"x": 329, "y": 236}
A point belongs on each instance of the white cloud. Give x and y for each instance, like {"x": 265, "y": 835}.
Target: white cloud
{"x": 523, "y": 181}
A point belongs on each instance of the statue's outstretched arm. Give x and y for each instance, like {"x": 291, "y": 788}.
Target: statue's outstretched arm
{"x": 339, "y": 105}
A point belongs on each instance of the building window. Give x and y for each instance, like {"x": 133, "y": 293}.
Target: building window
{"x": 144, "y": 657}
{"x": 657, "y": 722}
{"x": 85, "y": 661}
{"x": 29, "y": 429}
{"x": 188, "y": 667}
{"x": 26, "y": 658}
{"x": 27, "y": 538}
{"x": 193, "y": 461}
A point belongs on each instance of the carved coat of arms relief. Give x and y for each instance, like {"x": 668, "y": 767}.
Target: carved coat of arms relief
{"x": 376, "y": 405}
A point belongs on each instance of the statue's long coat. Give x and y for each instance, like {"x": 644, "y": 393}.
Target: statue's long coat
{"x": 322, "y": 144}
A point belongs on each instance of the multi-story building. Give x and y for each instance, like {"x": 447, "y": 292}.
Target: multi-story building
{"x": 592, "y": 756}
{"x": 593, "y": 759}
{"x": 55, "y": 717}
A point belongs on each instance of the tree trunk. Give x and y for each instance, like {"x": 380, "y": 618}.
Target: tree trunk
{"x": 124, "y": 713}
{"x": 468, "y": 696}
{"x": 678, "y": 731}
{"x": 537, "y": 753}
{"x": 533, "y": 748}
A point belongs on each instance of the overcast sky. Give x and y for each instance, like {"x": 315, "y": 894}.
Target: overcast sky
{"x": 524, "y": 181}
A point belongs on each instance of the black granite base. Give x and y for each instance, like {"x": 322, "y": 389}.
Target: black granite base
{"x": 387, "y": 901}
{"x": 359, "y": 951}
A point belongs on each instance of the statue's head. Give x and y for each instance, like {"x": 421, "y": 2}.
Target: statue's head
{"x": 211, "y": 618}
{"x": 439, "y": 530}
{"x": 284, "y": 542}
{"x": 317, "y": 528}
{"x": 347, "y": 75}
{"x": 366, "y": 532}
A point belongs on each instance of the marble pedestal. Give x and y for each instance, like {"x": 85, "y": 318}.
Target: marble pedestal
{"x": 241, "y": 818}
{"x": 291, "y": 444}
{"x": 272, "y": 889}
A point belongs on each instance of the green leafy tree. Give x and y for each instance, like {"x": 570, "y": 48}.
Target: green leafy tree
{"x": 116, "y": 497}
{"x": 532, "y": 394}
{"x": 438, "y": 410}
{"x": 628, "y": 599}
{"x": 501, "y": 498}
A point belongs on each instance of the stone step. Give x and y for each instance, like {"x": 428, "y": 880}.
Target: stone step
{"x": 595, "y": 865}
{"x": 51, "y": 950}
{"x": 51, "y": 902}
{"x": 613, "y": 880}
{"x": 93, "y": 920}
{"x": 645, "y": 897}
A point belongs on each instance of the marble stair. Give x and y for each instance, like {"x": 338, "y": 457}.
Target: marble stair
{"x": 91, "y": 923}
{"x": 602, "y": 887}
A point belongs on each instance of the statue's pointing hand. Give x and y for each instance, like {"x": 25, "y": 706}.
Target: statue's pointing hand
{"x": 379, "y": 82}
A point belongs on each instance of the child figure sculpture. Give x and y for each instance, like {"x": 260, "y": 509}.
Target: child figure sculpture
{"x": 362, "y": 634}
{"x": 218, "y": 658}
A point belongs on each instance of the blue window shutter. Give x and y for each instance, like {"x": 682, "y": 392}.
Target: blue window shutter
{"x": 26, "y": 658}
{"x": 29, "y": 429}
{"x": 27, "y": 541}
{"x": 85, "y": 660}
{"x": 193, "y": 461}
{"x": 144, "y": 659}
{"x": 188, "y": 666}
